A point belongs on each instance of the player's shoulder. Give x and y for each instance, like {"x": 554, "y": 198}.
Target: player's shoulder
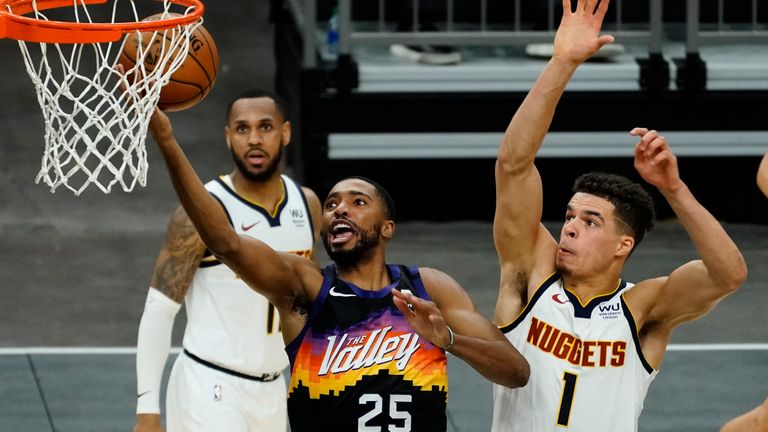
{"x": 431, "y": 274}
{"x": 300, "y": 262}
{"x": 180, "y": 220}
{"x": 311, "y": 196}
{"x": 642, "y": 296}
{"x": 440, "y": 285}
{"x": 181, "y": 234}
{"x": 646, "y": 287}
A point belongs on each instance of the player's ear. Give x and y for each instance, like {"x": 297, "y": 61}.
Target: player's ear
{"x": 388, "y": 230}
{"x": 226, "y": 137}
{"x": 625, "y": 246}
{"x": 286, "y": 132}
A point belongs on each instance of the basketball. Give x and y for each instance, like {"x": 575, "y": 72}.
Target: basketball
{"x": 192, "y": 81}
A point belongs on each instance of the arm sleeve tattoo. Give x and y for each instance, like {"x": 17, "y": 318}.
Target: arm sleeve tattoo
{"x": 179, "y": 257}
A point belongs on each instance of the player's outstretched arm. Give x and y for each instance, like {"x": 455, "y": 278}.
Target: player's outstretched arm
{"x": 694, "y": 288}
{"x": 175, "y": 267}
{"x": 471, "y": 337}
{"x": 270, "y": 273}
{"x": 518, "y": 234}
{"x": 762, "y": 175}
{"x": 577, "y": 39}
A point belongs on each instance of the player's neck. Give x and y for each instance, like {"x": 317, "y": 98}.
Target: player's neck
{"x": 267, "y": 193}
{"x": 587, "y": 288}
{"x": 369, "y": 274}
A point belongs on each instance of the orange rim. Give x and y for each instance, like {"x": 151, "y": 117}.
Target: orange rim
{"x": 14, "y": 25}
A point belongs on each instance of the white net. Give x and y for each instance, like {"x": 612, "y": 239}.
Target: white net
{"x": 95, "y": 117}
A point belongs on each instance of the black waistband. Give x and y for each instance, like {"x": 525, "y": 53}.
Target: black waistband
{"x": 263, "y": 377}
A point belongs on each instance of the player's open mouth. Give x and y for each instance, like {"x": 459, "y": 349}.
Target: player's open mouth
{"x": 341, "y": 232}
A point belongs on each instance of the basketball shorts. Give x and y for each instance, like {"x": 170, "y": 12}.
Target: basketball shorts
{"x": 203, "y": 399}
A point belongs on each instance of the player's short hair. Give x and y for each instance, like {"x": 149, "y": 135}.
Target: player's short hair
{"x": 253, "y": 93}
{"x": 386, "y": 198}
{"x": 634, "y": 206}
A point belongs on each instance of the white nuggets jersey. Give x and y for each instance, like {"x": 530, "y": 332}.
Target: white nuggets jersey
{"x": 588, "y": 373}
{"x": 229, "y": 324}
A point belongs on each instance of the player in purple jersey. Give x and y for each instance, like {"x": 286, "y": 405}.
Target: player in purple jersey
{"x": 357, "y": 223}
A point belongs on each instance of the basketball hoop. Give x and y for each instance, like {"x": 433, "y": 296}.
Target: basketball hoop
{"x": 95, "y": 117}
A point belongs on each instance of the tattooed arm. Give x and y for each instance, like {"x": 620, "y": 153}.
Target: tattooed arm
{"x": 179, "y": 258}
{"x": 174, "y": 270}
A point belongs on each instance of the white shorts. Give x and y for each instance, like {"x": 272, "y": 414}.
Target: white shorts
{"x": 200, "y": 398}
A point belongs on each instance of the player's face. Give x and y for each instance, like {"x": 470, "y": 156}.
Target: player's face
{"x": 256, "y": 134}
{"x": 589, "y": 240}
{"x": 353, "y": 222}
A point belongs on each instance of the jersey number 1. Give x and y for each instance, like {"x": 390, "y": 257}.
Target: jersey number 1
{"x": 566, "y": 400}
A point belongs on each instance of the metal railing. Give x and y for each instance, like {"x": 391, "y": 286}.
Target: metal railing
{"x": 483, "y": 32}
{"x": 722, "y": 31}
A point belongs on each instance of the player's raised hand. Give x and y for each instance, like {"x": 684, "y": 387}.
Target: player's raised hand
{"x": 424, "y": 317}
{"x": 578, "y": 37}
{"x": 655, "y": 161}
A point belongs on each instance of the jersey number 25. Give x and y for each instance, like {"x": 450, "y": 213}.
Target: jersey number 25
{"x": 377, "y": 400}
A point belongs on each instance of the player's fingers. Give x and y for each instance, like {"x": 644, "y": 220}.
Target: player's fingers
{"x": 602, "y": 9}
{"x": 646, "y": 139}
{"x": 639, "y": 153}
{"x": 650, "y": 136}
{"x": 663, "y": 156}
{"x": 638, "y": 131}
{"x": 589, "y": 6}
{"x": 567, "y": 7}
{"x": 412, "y": 303}
{"x": 657, "y": 144}
{"x": 402, "y": 306}
{"x": 605, "y": 40}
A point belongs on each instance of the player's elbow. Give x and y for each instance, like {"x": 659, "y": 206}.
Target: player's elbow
{"x": 224, "y": 246}
{"x": 517, "y": 374}
{"x": 523, "y": 374}
{"x": 510, "y": 164}
{"x": 739, "y": 276}
{"x": 730, "y": 281}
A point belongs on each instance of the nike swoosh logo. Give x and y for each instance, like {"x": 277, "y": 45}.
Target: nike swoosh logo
{"x": 338, "y": 294}
{"x": 137, "y": 397}
{"x": 245, "y": 227}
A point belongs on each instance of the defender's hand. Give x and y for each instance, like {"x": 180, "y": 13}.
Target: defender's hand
{"x": 578, "y": 37}
{"x": 655, "y": 161}
{"x": 424, "y": 317}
